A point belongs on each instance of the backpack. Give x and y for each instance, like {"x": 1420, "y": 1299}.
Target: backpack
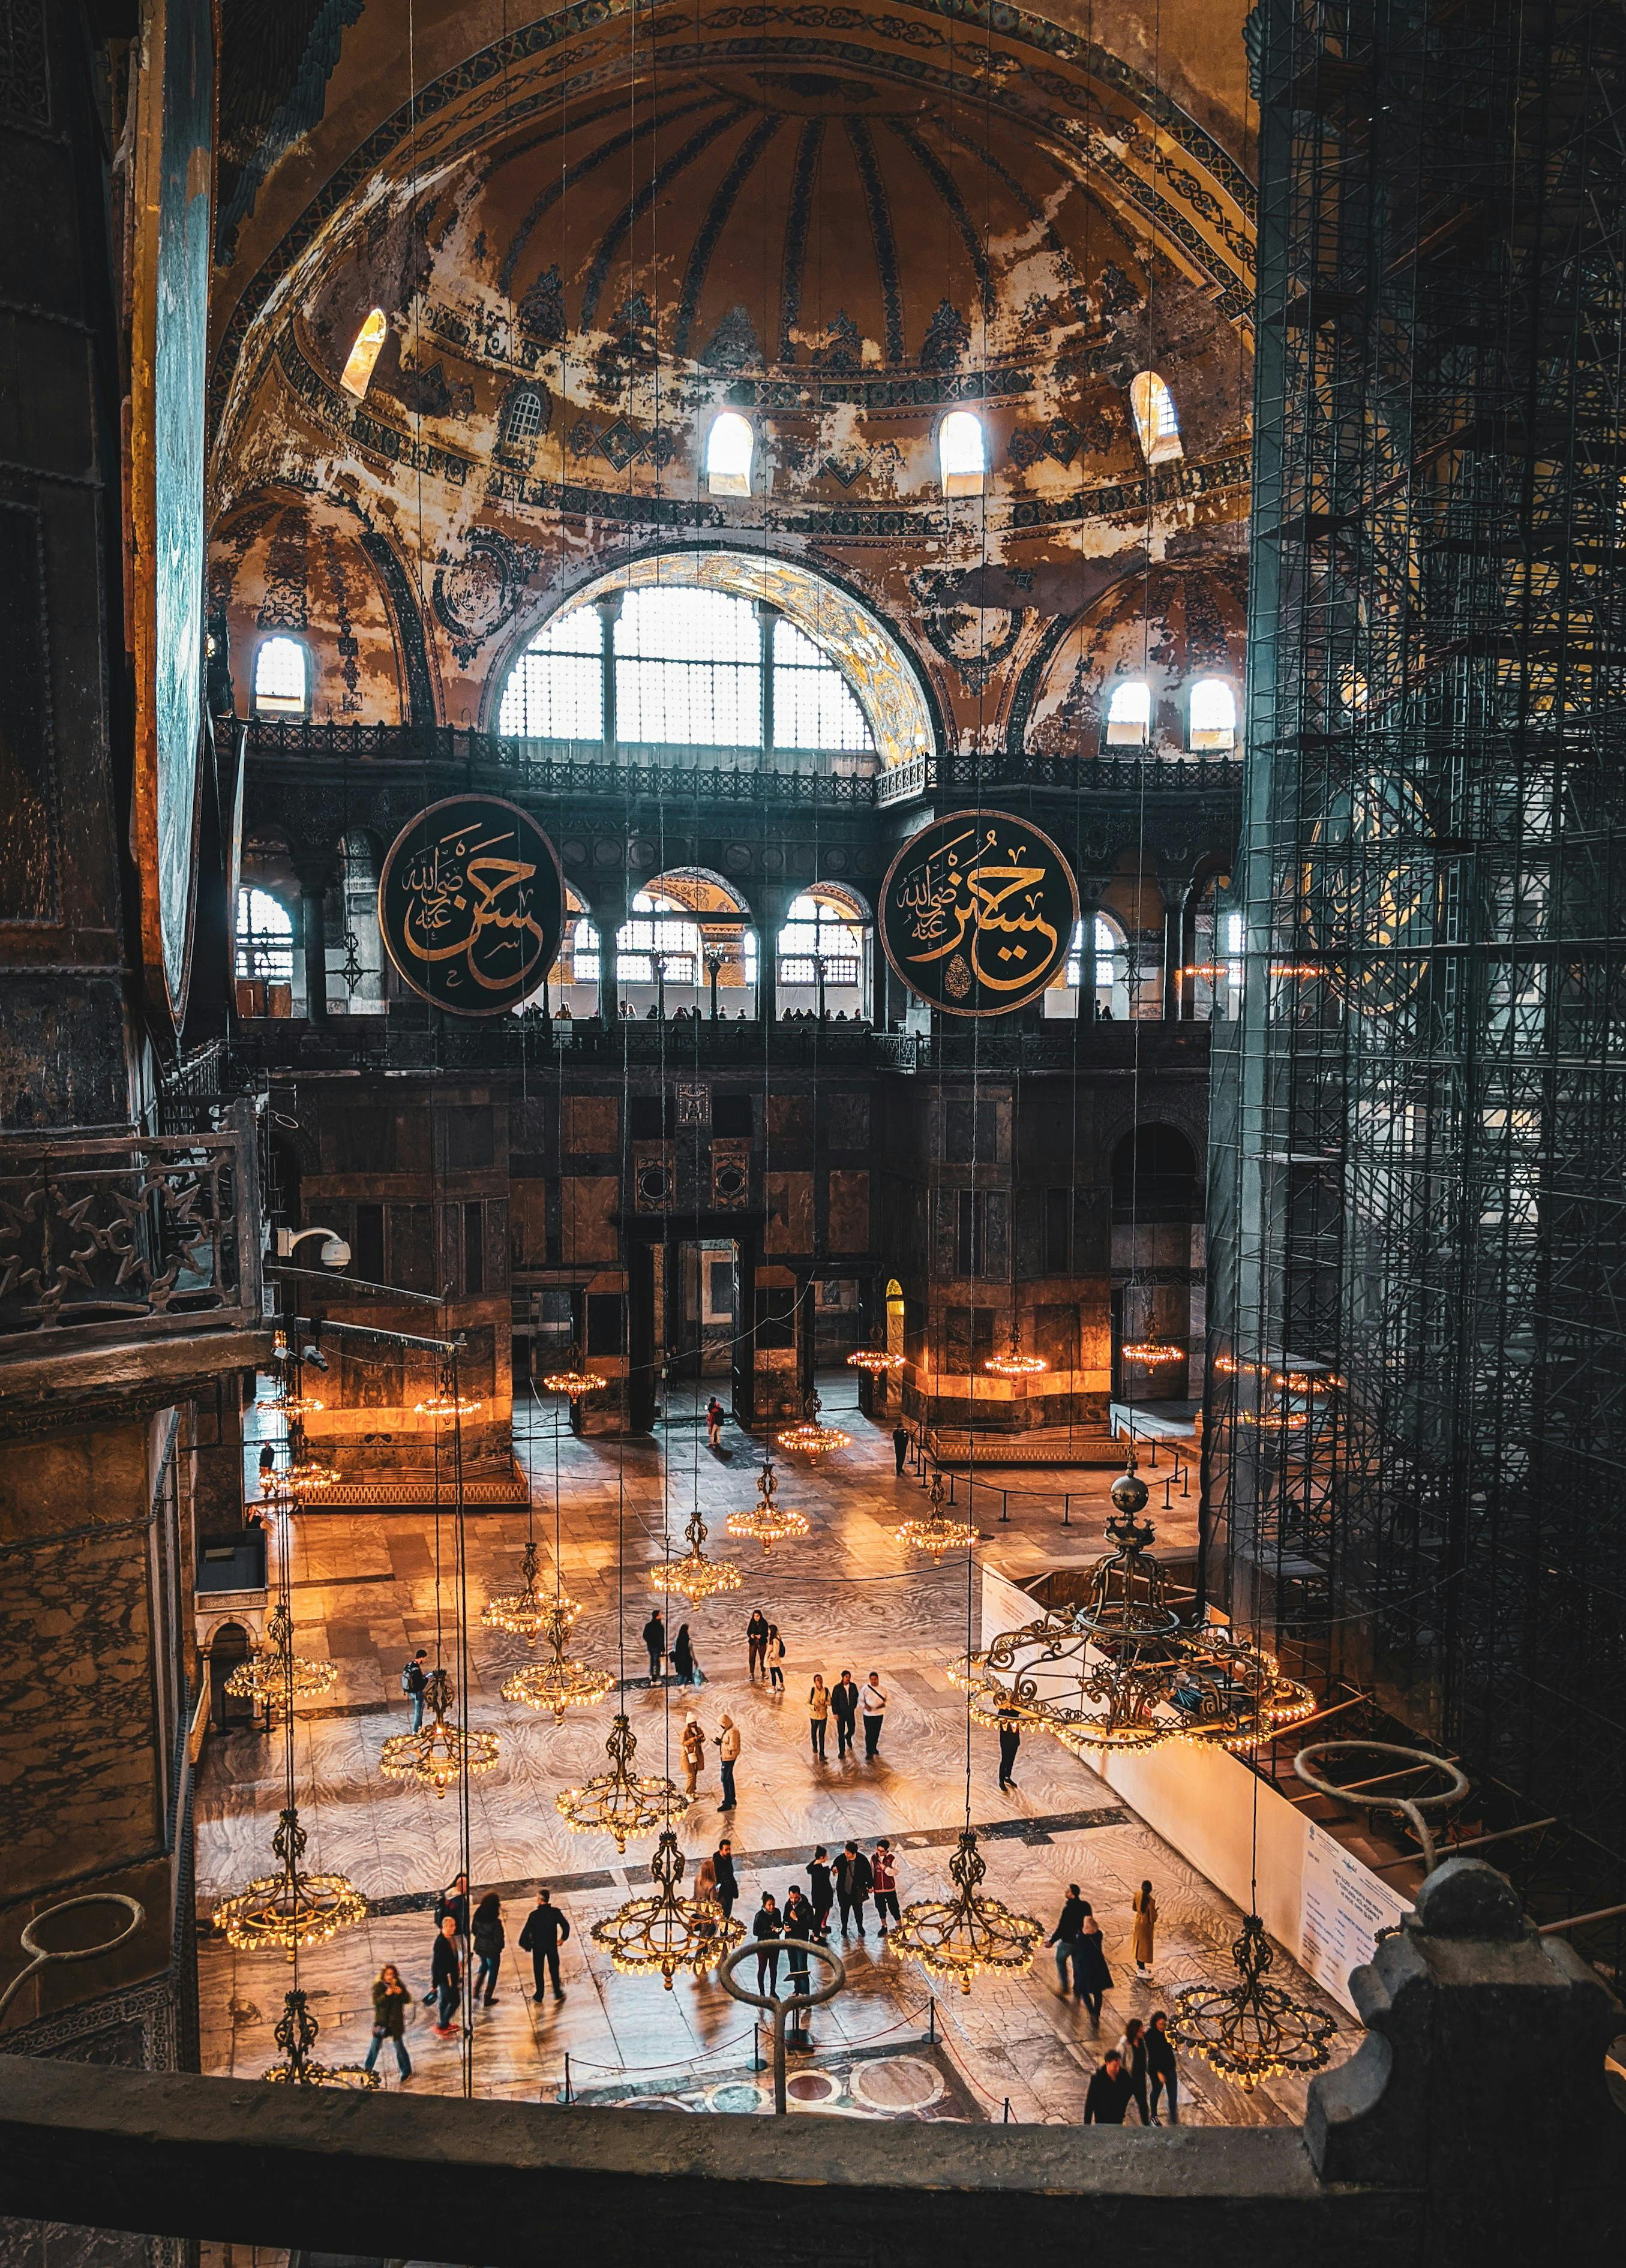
{"x": 406, "y": 1677}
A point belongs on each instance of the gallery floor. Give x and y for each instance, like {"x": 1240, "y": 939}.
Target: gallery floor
{"x": 364, "y": 1595}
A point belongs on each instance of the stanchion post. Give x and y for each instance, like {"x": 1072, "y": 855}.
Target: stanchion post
{"x": 1004, "y": 1507}
{"x": 931, "y": 2019}
{"x": 1005, "y": 2120}
{"x": 567, "y": 2094}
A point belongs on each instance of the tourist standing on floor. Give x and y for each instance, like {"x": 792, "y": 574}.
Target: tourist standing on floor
{"x": 885, "y": 1877}
{"x": 729, "y": 1755}
{"x": 727, "y": 1881}
{"x": 855, "y": 1881}
{"x": 415, "y": 1685}
{"x": 1132, "y": 2054}
{"x": 1144, "y": 1906}
{"x": 1095, "y": 1978}
{"x": 755, "y": 1640}
{"x": 823, "y": 1895}
{"x": 1160, "y": 2068}
{"x": 872, "y": 1703}
{"x": 844, "y": 1709}
{"x": 455, "y": 1902}
{"x": 446, "y": 1970}
{"x": 1109, "y": 2093}
{"x": 798, "y": 1927}
{"x": 655, "y": 1643}
{"x": 683, "y": 1667}
{"x": 694, "y": 1751}
{"x": 390, "y": 2000}
{"x": 818, "y": 1713}
{"x": 765, "y": 1923}
{"x": 774, "y": 1655}
{"x": 490, "y": 1937}
{"x": 705, "y": 1899}
{"x": 1067, "y": 1937}
{"x": 900, "y": 1444}
{"x": 1010, "y": 1741}
{"x": 545, "y": 1932}
{"x": 713, "y": 1423}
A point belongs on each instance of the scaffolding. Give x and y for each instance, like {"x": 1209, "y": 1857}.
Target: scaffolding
{"x": 1417, "y": 1410}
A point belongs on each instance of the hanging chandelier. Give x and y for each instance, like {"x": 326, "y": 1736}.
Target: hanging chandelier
{"x": 275, "y": 1674}
{"x": 446, "y": 1404}
{"x": 936, "y": 1533}
{"x": 811, "y": 1438}
{"x": 524, "y": 1612}
{"x": 955, "y": 1939}
{"x": 620, "y": 1802}
{"x": 875, "y": 1360}
{"x": 438, "y": 1755}
{"x": 290, "y": 1404}
{"x": 564, "y": 1682}
{"x": 1250, "y": 2030}
{"x": 295, "y": 2036}
{"x": 665, "y": 1932}
{"x": 290, "y": 1910}
{"x": 766, "y": 1522}
{"x": 696, "y": 1575}
{"x": 572, "y": 1380}
{"x": 306, "y": 1476}
{"x": 1013, "y": 1363}
{"x": 1151, "y": 1354}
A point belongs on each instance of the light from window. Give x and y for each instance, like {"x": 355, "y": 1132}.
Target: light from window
{"x": 1129, "y": 714}
{"x": 1155, "y": 422}
{"x": 280, "y": 687}
{"x": 356, "y": 374}
{"x": 584, "y": 953}
{"x": 688, "y": 666}
{"x": 525, "y": 415}
{"x": 1213, "y": 714}
{"x": 556, "y": 689}
{"x": 264, "y": 938}
{"x": 1233, "y": 953}
{"x": 814, "y": 706}
{"x": 818, "y": 929}
{"x": 962, "y": 456}
{"x": 729, "y": 447}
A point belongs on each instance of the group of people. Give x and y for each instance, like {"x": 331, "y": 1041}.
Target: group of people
{"x": 1080, "y": 1957}
{"x": 680, "y": 1653}
{"x": 846, "y": 1702}
{"x": 465, "y": 1941}
{"x": 1143, "y": 2058}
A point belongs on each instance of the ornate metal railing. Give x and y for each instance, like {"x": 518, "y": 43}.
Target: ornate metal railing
{"x": 106, "y": 1233}
{"x": 730, "y": 778}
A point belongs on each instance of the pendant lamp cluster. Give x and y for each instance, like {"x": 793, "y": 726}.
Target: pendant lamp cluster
{"x": 768, "y": 1522}
{"x": 936, "y": 1535}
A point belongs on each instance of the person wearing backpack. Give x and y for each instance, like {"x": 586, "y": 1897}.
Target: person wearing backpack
{"x": 415, "y": 1685}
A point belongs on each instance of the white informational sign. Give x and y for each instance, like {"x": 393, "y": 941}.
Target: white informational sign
{"x": 1343, "y": 1906}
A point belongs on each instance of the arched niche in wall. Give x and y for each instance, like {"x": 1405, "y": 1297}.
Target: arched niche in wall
{"x": 289, "y": 565}
{"x": 1170, "y": 628}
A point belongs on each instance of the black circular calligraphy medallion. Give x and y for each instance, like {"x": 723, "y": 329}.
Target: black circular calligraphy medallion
{"x": 978, "y": 912}
{"x": 471, "y": 905}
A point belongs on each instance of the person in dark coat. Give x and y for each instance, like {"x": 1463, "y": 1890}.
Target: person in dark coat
{"x": 1109, "y": 2093}
{"x": 390, "y": 2000}
{"x": 490, "y": 1937}
{"x": 798, "y": 1926}
{"x": 765, "y": 1923}
{"x": 727, "y": 1881}
{"x": 455, "y": 1903}
{"x": 545, "y": 1930}
{"x": 900, "y": 1443}
{"x": 756, "y": 1640}
{"x": 446, "y": 1971}
{"x": 824, "y": 1896}
{"x": 654, "y": 1644}
{"x": 844, "y": 1709}
{"x": 1010, "y": 1741}
{"x": 1095, "y": 1978}
{"x": 1132, "y": 2055}
{"x": 1068, "y": 1938}
{"x": 682, "y": 1656}
{"x": 1160, "y": 2068}
{"x": 855, "y": 1881}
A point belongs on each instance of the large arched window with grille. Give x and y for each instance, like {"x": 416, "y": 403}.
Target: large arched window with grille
{"x": 822, "y": 955}
{"x": 264, "y": 938}
{"x": 282, "y": 678}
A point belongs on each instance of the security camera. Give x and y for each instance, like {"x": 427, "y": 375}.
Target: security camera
{"x": 335, "y": 1253}
{"x": 314, "y": 1355}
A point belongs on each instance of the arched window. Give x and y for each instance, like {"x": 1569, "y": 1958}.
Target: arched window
{"x": 688, "y": 672}
{"x": 1213, "y": 714}
{"x": 356, "y": 374}
{"x": 660, "y": 929}
{"x": 822, "y": 929}
{"x": 961, "y": 453}
{"x": 1129, "y": 714}
{"x": 264, "y": 938}
{"x": 1156, "y": 423}
{"x": 281, "y": 678}
{"x": 523, "y": 419}
{"x": 1100, "y": 968}
{"x": 729, "y": 447}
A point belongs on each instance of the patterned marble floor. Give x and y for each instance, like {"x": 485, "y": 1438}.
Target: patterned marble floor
{"x": 364, "y": 1595}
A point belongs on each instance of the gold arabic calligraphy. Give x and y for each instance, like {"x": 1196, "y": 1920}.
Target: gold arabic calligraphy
{"x": 992, "y": 892}
{"x": 470, "y": 899}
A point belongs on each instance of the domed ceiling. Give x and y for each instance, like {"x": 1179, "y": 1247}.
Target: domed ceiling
{"x": 842, "y": 220}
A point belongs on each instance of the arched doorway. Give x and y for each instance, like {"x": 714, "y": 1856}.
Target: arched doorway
{"x": 1157, "y": 1204}
{"x": 228, "y": 1649}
